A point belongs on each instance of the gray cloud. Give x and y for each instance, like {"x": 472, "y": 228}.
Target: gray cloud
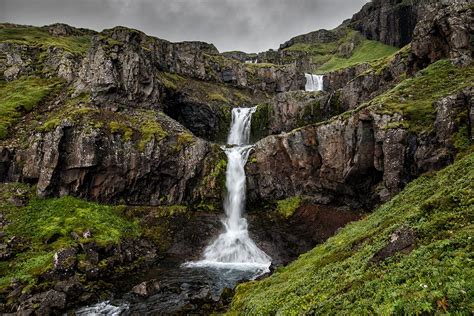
{"x": 246, "y": 25}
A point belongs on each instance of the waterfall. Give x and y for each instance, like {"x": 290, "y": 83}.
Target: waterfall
{"x": 314, "y": 82}
{"x": 234, "y": 248}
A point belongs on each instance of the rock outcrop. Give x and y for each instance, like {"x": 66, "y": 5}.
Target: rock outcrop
{"x": 355, "y": 161}
{"x": 446, "y": 31}
{"x": 391, "y": 22}
{"x": 103, "y": 166}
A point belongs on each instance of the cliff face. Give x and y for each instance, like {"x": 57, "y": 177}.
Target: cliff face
{"x": 391, "y": 22}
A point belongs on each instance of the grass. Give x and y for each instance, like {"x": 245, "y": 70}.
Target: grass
{"x": 46, "y": 226}
{"x": 40, "y": 37}
{"x": 414, "y": 97}
{"x": 338, "y": 276}
{"x": 20, "y": 97}
{"x": 216, "y": 96}
{"x": 366, "y": 51}
{"x": 287, "y": 207}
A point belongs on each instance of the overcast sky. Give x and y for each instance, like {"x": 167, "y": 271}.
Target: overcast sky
{"x": 248, "y": 25}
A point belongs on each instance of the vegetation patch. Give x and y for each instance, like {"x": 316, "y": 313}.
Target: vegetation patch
{"x": 171, "y": 80}
{"x": 122, "y": 129}
{"x": 20, "y": 97}
{"x": 434, "y": 276}
{"x": 150, "y": 129}
{"x": 260, "y": 121}
{"x": 40, "y": 37}
{"x": 366, "y": 51}
{"x": 184, "y": 139}
{"x": 414, "y": 97}
{"x": 215, "y": 96}
{"x": 47, "y": 225}
{"x": 288, "y": 206}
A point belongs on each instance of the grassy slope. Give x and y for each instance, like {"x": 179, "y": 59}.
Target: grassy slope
{"x": 45, "y": 225}
{"x": 326, "y": 58}
{"x": 414, "y": 97}
{"x": 337, "y": 276}
{"x": 40, "y": 37}
{"x": 366, "y": 51}
{"x": 21, "y": 96}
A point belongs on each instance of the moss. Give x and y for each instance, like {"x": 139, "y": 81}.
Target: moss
{"x": 46, "y": 226}
{"x": 150, "y": 129}
{"x": 184, "y": 139}
{"x": 242, "y": 97}
{"x": 215, "y": 96}
{"x": 75, "y": 109}
{"x": 40, "y": 37}
{"x": 170, "y": 80}
{"x": 158, "y": 222}
{"x": 366, "y": 51}
{"x": 414, "y": 97}
{"x": 310, "y": 114}
{"x": 288, "y": 206}
{"x": 50, "y": 125}
{"x": 338, "y": 277}
{"x": 225, "y": 118}
{"x": 122, "y": 129}
{"x": 20, "y": 97}
{"x": 260, "y": 121}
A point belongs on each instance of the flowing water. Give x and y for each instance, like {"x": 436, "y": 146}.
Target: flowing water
{"x": 234, "y": 249}
{"x": 231, "y": 258}
{"x": 314, "y": 82}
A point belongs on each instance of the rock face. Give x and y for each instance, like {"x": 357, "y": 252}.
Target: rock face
{"x": 74, "y": 160}
{"x": 445, "y": 32}
{"x": 391, "y": 22}
{"x": 320, "y": 36}
{"x": 356, "y": 161}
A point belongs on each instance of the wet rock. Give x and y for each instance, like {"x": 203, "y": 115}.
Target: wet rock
{"x": 402, "y": 240}
{"x": 147, "y": 288}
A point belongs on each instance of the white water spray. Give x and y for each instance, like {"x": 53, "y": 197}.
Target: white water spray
{"x": 314, "y": 82}
{"x": 234, "y": 249}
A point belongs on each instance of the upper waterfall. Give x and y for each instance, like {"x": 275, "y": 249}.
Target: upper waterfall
{"x": 314, "y": 82}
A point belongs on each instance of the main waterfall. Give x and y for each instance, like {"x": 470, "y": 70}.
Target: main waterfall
{"x": 234, "y": 248}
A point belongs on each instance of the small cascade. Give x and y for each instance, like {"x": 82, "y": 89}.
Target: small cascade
{"x": 314, "y": 82}
{"x": 234, "y": 249}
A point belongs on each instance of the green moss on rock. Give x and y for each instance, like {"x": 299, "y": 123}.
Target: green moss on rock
{"x": 288, "y": 206}
{"x": 260, "y": 121}
{"x": 20, "y": 97}
{"x": 414, "y": 97}
{"x": 40, "y": 37}
{"x": 47, "y": 225}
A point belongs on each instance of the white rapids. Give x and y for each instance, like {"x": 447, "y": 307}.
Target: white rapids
{"x": 234, "y": 249}
{"x": 314, "y": 82}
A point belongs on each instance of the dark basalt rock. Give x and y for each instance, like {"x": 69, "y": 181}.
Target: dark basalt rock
{"x": 446, "y": 31}
{"x": 356, "y": 161}
{"x": 389, "y": 21}
{"x": 147, "y": 288}
{"x": 402, "y": 240}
